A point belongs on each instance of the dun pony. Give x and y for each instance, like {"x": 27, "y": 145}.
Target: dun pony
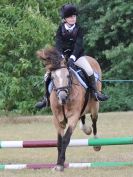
{"x": 67, "y": 101}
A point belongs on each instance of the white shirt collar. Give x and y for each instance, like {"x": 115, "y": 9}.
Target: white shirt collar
{"x": 69, "y": 28}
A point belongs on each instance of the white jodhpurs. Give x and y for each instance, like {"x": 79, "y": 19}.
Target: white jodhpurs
{"x": 83, "y": 63}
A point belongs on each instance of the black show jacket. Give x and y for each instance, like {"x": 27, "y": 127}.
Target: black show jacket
{"x": 70, "y": 43}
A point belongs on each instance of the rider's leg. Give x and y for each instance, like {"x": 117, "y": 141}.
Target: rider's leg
{"x": 45, "y": 100}
{"x": 89, "y": 73}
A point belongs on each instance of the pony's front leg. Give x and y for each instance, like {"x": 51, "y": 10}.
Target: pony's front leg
{"x": 72, "y": 122}
{"x": 60, "y": 134}
{"x": 94, "y": 119}
{"x": 65, "y": 142}
{"x": 62, "y": 144}
{"x": 59, "y": 146}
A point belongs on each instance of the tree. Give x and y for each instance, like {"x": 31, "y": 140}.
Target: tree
{"x": 23, "y": 32}
{"x": 25, "y": 27}
{"x": 108, "y": 29}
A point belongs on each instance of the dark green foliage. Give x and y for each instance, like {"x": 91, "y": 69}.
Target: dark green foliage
{"x": 108, "y": 37}
{"x": 25, "y": 27}
{"x": 23, "y": 32}
{"x": 28, "y": 25}
{"x": 121, "y": 98}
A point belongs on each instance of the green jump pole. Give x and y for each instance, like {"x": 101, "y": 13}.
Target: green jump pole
{"x": 110, "y": 141}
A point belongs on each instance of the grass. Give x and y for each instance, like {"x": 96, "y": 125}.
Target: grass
{"x": 118, "y": 124}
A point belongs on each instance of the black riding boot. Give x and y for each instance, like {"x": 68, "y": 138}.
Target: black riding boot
{"x": 97, "y": 95}
{"x": 45, "y": 100}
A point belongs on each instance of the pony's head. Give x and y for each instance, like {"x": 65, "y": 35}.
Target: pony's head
{"x": 53, "y": 62}
{"x": 62, "y": 84}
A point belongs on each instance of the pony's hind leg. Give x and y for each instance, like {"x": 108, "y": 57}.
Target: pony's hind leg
{"x": 94, "y": 125}
{"x": 86, "y": 129}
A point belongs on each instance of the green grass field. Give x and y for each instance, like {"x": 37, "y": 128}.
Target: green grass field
{"x": 118, "y": 124}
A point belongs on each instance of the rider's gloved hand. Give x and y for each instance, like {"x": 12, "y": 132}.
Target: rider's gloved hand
{"x": 70, "y": 62}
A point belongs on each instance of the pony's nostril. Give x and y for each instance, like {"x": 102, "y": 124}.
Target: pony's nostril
{"x": 63, "y": 101}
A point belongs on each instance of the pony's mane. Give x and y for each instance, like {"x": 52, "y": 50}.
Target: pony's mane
{"x": 51, "y": 58}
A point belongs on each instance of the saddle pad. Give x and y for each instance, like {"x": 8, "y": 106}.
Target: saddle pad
{"x": 50, "y": 87}
{"x": 78, "y": 74}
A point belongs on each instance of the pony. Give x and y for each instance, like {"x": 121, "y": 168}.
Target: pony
{"x": 69, "y": 101}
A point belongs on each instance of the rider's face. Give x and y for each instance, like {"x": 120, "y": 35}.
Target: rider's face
{"x": 71, "y": 20}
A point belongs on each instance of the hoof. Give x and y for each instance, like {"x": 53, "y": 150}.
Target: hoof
{"x": 58, "y": 168}
{"x": 85, "y": 129}
{"x": 97, "y": 148}
{"x": 88, "y": 131}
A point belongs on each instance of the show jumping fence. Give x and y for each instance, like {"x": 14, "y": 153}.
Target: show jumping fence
{"x": 73, "y": 143}
{"x": 67, "y": 165}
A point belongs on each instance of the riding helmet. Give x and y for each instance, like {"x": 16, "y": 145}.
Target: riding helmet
{"x": 68, "y": 10}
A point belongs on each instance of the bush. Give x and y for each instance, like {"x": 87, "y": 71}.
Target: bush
{"x": 121, "y": 98}
{"x": 23, "y": 32}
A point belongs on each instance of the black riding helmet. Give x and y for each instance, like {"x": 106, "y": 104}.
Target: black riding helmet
{"x": 68, "y": 10}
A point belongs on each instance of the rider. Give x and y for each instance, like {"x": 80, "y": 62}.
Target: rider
{"x": 69, "y": 42}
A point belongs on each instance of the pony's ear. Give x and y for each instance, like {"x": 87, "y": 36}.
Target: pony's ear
{"x": 41, "y": 54}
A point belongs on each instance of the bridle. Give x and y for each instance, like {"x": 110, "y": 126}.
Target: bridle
{"x": 64, "y": 88}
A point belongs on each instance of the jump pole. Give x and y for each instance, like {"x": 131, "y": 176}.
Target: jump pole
{"x": 67, "y": 165}
{"x": 73, "y": 143}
